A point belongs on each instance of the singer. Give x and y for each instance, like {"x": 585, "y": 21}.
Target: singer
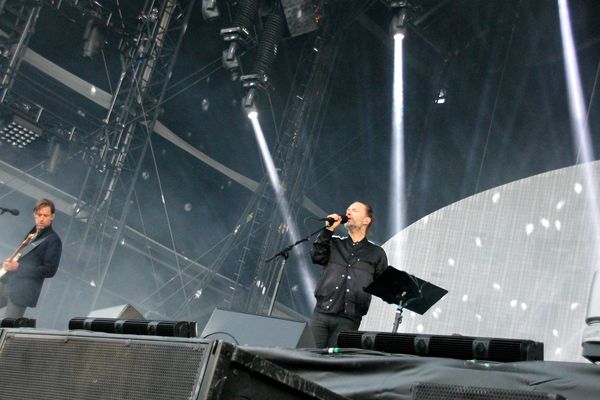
{"x": 36, "y": 259}
{"x": 350, "y": 263}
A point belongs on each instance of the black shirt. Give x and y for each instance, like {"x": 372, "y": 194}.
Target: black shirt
{"x": 349, "y": 267}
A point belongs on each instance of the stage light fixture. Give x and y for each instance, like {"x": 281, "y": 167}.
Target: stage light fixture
{"x": 135, "y": 327}
{"x": 210, "y": 10}
{"x": 301, "y": 16}
{"x": 19, "y": 132}
{"x": 239, "y": 36}
{"x": 251, "y": 85}
{"x": 93, "y": 39}
{"x": 441, "y": 96}
{"x": 399, "y": 21}
{"x": 258, "y": 81}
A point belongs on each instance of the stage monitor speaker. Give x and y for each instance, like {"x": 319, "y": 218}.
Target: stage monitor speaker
{"x": 460, "y": 347}
{"x": 135, "y": 327}
{"x": 122, "y": 311}
{"x": 257, "y": 330}
{"x": 17, "y": 323}
{"x": 37, "y": 364}
{"x": 436, "y": 391}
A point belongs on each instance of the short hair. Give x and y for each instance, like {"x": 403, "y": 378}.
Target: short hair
{"x": 41, "y": 203}
{"x": 369, "y": 212}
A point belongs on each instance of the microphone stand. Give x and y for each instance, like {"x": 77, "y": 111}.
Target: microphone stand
{"x": 397, "y": 318}
{"x": 284, "y": 254}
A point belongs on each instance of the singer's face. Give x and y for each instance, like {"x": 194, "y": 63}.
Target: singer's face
{"x": 43, "y": 217}
{"x": 357, "y": 216}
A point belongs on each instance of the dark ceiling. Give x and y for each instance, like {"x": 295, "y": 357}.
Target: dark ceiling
{"x": 505, "y": 116}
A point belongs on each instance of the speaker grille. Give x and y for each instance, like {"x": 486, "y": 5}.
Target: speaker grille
{"x": 63, "y": 367}
{"x": 404, "y": 345}
{"x": 434, "y": 391}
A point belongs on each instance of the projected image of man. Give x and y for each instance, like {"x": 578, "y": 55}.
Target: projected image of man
{"x": 349, "y": 264}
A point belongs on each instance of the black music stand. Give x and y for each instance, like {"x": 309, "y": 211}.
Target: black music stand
{"x": 407, "y": 291}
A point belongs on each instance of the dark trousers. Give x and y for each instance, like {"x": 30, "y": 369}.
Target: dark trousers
{"x": 326, "y": 327}
{"x": 12, "y": 310}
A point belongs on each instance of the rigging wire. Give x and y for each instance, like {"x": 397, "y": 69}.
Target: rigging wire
{"x": 497, "y": 99}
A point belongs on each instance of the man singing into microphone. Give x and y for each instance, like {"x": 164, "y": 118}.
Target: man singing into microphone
{"x": 350, "y": 263}
{"x": 41, "y": 249}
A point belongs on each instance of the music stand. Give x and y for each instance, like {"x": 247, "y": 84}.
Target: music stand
{"x": 407, "y": 291}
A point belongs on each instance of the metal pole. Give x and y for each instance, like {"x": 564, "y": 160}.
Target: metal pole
{"x": 279, "y": 276}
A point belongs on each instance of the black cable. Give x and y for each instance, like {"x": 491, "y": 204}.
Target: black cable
{"x": 222, "y": 333}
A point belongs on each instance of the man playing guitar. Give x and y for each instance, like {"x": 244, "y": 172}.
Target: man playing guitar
{"x": 23, "y": 273}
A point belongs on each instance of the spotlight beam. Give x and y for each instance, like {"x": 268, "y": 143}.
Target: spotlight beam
{"x": 271, "y": 171}
{"x": 581, "y": 132}
{"x": 577, "y": 109}
{"x": 397, "y": 200}
{"x": 282, "y": 203}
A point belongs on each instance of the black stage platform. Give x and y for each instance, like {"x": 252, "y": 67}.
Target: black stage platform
{"x": 84, "y": 365}
{"x": 359, "y": 374}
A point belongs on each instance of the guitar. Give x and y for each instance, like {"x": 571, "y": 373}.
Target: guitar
{"x": 17, "y": 253}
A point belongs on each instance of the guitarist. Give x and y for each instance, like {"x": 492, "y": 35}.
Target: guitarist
{"x": 39, "y": 257}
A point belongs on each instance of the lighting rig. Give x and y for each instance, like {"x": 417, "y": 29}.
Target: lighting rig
{"x": 258, "y": 81}
{"x": 239, "y": 36}
{"x": 402, "y": 11}
{"x": 23, "y": 122}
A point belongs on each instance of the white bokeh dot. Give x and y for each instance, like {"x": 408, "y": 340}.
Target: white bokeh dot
{"x": 529, "y": 229}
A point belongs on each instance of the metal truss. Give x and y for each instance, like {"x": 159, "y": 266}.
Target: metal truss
{"x": 120, "y": 146}
{"x": 17, "y": 23}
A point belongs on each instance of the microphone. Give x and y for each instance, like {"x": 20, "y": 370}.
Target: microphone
{"x": 330, "y": 221}
{"x": 13, "y": 211}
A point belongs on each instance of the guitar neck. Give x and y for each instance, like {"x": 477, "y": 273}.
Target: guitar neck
{"x": 15, "y": 254}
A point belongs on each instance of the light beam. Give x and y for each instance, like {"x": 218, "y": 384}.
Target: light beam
{"x": 282, "y": 203}
{"x": 397, "y": 200}
{"x": 577, "y": 109}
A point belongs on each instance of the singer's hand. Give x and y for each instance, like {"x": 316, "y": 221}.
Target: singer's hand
{"x": 338, "y": 221}
{"x": 10, "y": 265}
